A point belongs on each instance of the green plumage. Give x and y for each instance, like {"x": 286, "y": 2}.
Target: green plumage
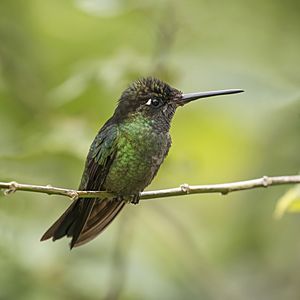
{"x": 140, "y": 151}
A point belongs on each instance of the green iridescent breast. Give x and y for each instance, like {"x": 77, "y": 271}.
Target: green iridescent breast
{"x": 140, "y": 152}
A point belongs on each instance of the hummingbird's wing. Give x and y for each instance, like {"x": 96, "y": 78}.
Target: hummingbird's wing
{"x": 103, "y": 213}
{"x": 86, "y": 218}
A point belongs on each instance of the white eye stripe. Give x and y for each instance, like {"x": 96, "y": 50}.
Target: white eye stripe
{"x": 149, "y": 102}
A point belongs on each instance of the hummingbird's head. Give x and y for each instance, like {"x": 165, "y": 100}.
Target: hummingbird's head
{"x": 150, "y": 97}
{"x": 157, "y": 100}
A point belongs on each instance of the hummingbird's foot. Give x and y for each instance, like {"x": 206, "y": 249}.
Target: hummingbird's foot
{"x": 135, "y": 199}
{"x": 118, "y": 198}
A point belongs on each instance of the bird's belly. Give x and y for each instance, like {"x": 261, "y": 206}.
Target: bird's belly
{"x": 135, "y": 164}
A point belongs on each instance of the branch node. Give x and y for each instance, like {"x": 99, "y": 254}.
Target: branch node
{"x": 12, "y": 188}
{"x": 73, "y": 195}
{"x": 266, "y": 181}
{"x": 185, "y": 188}
{"x": 49, "y": 186}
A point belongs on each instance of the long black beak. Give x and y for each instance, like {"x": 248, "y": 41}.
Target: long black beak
{"x": 186, "y": 98}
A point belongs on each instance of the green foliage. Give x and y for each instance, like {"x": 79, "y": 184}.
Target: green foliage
{"x": 289, "y": 202}
{"x": 63, "y": 65}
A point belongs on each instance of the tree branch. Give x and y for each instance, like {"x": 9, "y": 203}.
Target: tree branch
{"x": 184, "y": 189}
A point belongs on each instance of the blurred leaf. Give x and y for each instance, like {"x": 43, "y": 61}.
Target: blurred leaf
{"x": 289, "y": 202}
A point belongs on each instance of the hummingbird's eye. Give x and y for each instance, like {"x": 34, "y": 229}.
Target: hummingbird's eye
{"x": 154, "y": 102}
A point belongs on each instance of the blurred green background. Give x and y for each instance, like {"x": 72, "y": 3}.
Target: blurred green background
{"x": 63, "y": 65}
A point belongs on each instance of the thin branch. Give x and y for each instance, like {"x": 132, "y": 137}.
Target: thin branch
{"x": 185, "y": 189}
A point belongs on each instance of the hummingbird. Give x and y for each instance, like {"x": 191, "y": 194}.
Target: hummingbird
{"x": 124, "y": 157}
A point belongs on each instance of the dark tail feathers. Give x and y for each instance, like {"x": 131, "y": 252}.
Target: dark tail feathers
{"x": 84, "y": 220}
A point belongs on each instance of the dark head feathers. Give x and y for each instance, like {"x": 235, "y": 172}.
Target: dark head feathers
{"x": 145, "y": 87}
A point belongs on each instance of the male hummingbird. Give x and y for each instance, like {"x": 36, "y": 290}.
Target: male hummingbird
{"x": 124, "y": 156}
